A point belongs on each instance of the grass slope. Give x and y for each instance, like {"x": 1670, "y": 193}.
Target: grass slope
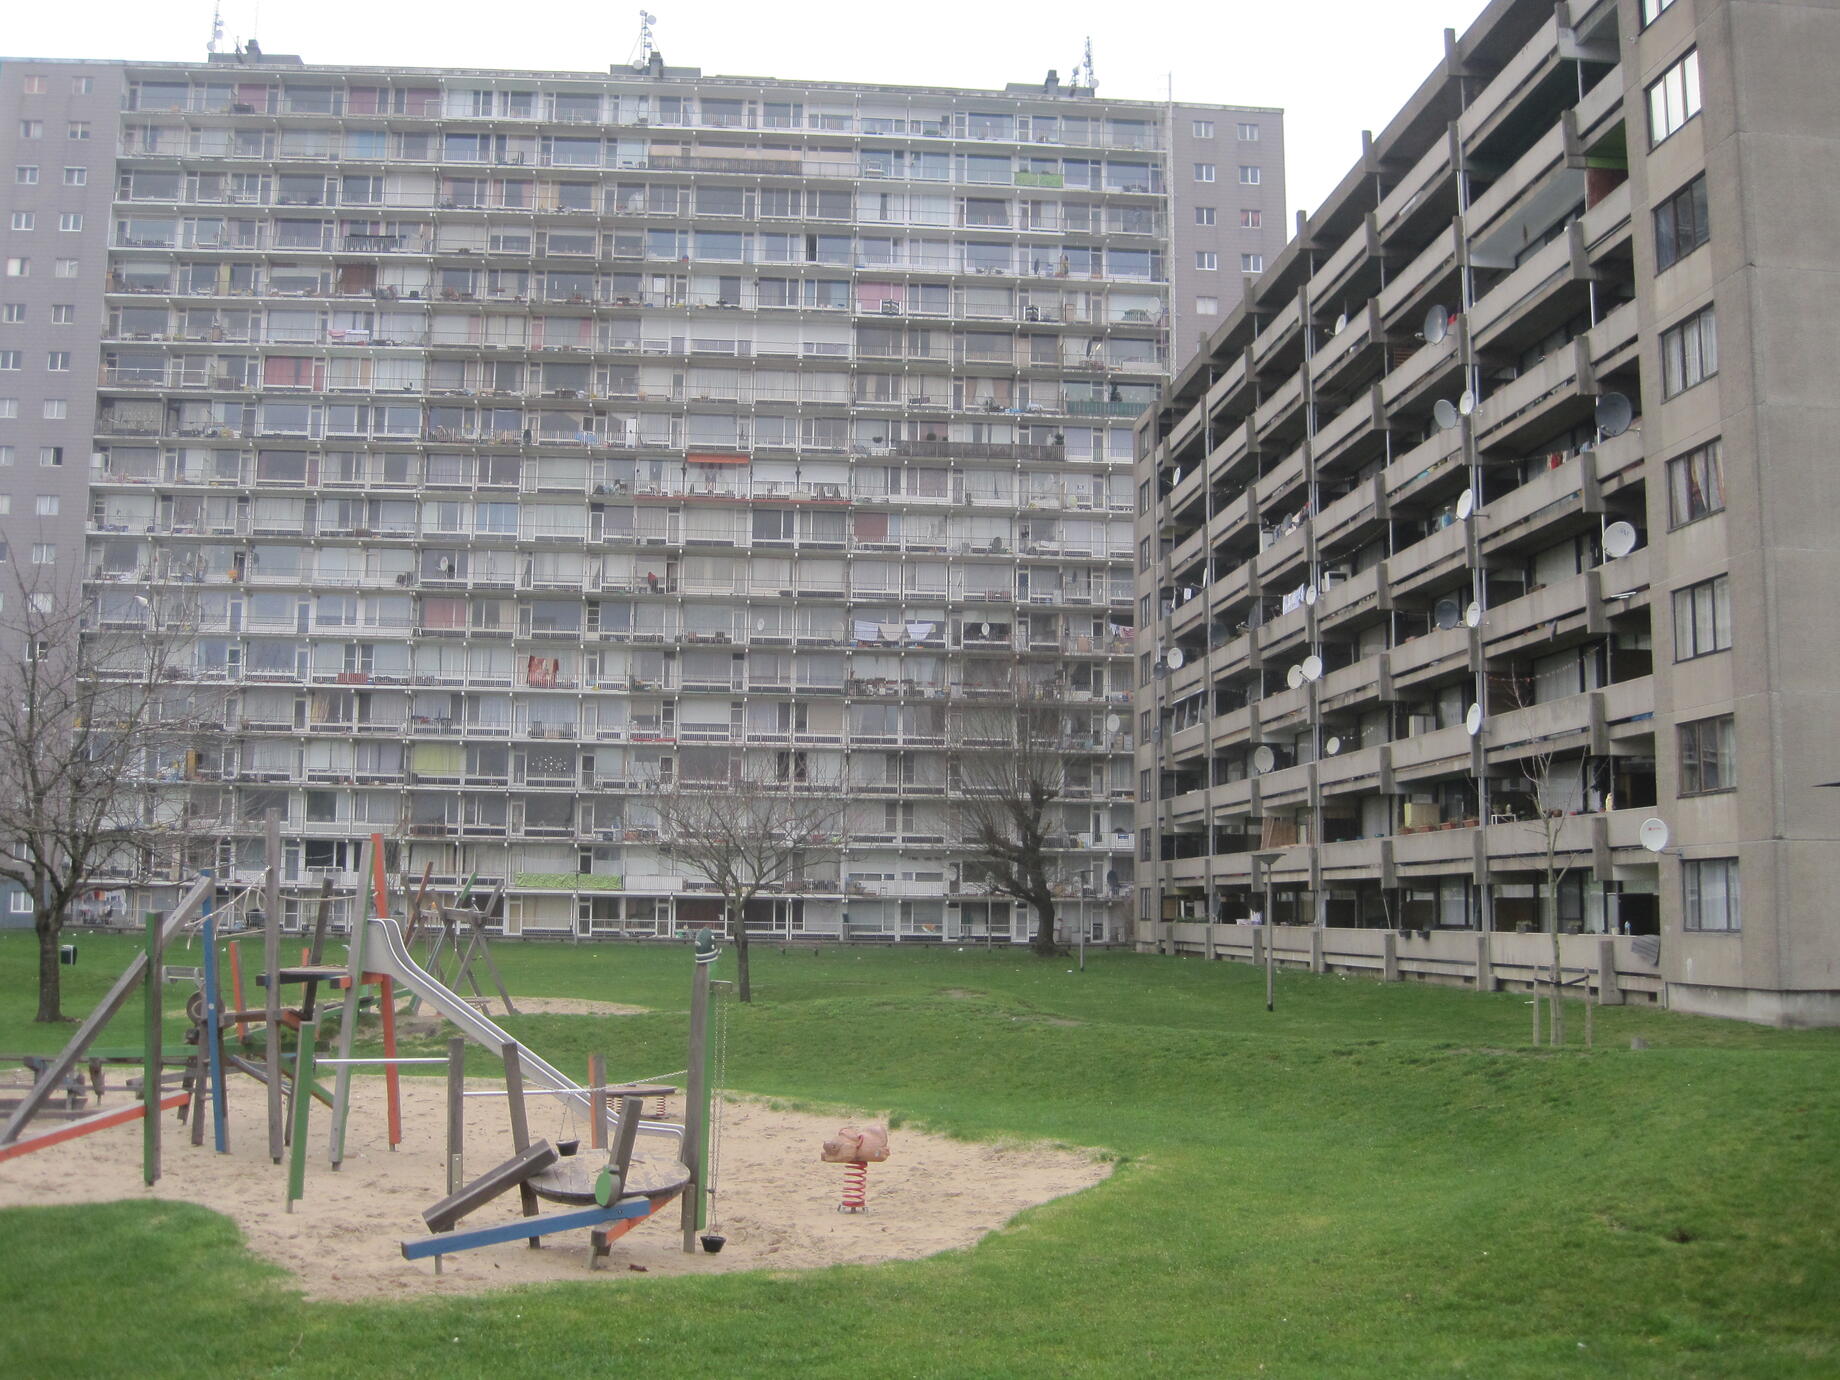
{"x": 1372, "y": 1181}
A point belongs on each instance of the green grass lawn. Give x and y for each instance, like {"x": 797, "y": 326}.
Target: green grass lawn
{"x": 1373, "y": 1181}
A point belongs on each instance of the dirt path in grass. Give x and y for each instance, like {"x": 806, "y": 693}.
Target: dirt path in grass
{"x": 776, "y": 1202}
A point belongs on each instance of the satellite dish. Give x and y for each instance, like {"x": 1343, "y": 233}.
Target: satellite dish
{"x": 1446, "y": 613}
{"x": 760, "y": 625}
{"x": 1111, "y": 723}
{"x": 1176, "y": 658}
{"x": 1437, "y": 325}
{"x": 1444, "y": 413}
{"x": 1466, "y": 505}
{"x": 1331, "y": 747}
{"x": 1310, "y": 595}
{"x": 1620, "y": 539}
{"x": 1294, "y": 677}
{"x": 984, "y": 629}
{"x": 1312, "y": 668}
{"x": 1263, "y": 759}
{"x": 1466, "y": 402}
{"x": 1341, "y": 323}
{"x": 1473, "y": 614}
{"x": 1653, "y": 834}
{"x": 1472, "y": 721}
{"x": 1614, "y": 413}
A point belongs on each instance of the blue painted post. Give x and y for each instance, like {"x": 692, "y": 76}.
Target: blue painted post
{"x": 213, "y": 1022}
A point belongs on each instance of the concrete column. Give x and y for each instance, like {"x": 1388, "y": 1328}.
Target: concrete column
{"x": 1389, "y": 956}
{"x": 1609, "y": 988}
{"x": 1316, "y": 950}
{"x": 1485, "y": 966}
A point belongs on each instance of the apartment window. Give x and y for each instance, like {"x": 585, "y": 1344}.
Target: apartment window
{"x": 63, "y": 314}
{"x": 50, "y": 457}
{"x": 23, "y": 220}
{"x": 1248, "y": 175}
{"x": 1204, "y": 129}
{"x": 63, "y": 268}
{"x": 1654, "y": 9}
{"x": 1206, "y": 259}
{"x": 26, "y": 174}
{"x": 79, "y": 129}
{"x": 1204, "y": 215}
{"x": 1680, "y": 224}
{"x": 6, "y": 505}
{"x": 12, "y": 360}
{"x": 1702, "y": 618}
{"x": 31, "y": 129}
{"x": 1689, "y": 353}
{"x": 1248, "y": 132}
{"x": 70, "y": 220}
{"x": 1250, "y": 219}
{"x": 76, "y": 177}
{"x": 1207, "y": 306}
{"x": 47, "y": 505}
{"x": 13, "y": 313}
{"x": 33, "y": 86}
{"x": 1204, "y": 172}
{"x": 1674, "y": 99}
{"x": 20, "y": 902}
{"x": 1251, "y": 263}
{"x": 44, "y": 553}
{"x": 1696, "y": 484}
{"x": 56, "y": 409}
{"x": 1708, "y": 760}
{"x": 58, "y": 361}
{"x": 1709, "y": 894}
{"x": 18, "y": 268}
{"x": 6, "y": 456}
{"x": 9, "y": 407}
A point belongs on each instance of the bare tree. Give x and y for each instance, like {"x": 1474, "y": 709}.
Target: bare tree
{"x": 1011, "y": 774}
{"x": 751, "y": 835}
{"x": 92, "y": 751}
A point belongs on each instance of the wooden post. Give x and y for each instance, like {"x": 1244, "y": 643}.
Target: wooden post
{"x": 318, "y": 951}
{"x": 597, "y": 1101}
{"x": 696, "y": 1104}
{"x": 354, "y": 985}
{"x": 520, "y": 1125}
{"x": 392, "y": 1087}
{"x": 152, "y": 1065}
{"x": 456, "y": 1113}
{"x": 303, "y": 1103}
{"x": 271, "y": 963}
{"x": 213, "y": 1028}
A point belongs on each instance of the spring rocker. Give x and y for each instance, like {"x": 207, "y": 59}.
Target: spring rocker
{"x": 856, "y": 1149}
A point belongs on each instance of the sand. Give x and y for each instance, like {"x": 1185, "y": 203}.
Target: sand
{"x": 776, "y": 1203}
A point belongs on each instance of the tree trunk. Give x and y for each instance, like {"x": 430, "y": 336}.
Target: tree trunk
{"x": 50, "y": 975}
{"x": 1558, "y": 976}
{"x": 1044, "y": 924}
{"x": 737, "y": 934}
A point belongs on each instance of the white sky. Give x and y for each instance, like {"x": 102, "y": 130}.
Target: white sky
{"x": 1335, "y": 66}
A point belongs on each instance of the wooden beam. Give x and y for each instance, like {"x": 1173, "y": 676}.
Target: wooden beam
{"x": 502, "y": 1178}
{"x": 449, "y": 1243}
{"x": 271, "y": 964}
{"x": 520, "y": 1125}
{"x": 102, "y": 1121}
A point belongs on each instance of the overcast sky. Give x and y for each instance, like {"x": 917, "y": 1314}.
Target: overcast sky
{"x": 1335, "y": 66}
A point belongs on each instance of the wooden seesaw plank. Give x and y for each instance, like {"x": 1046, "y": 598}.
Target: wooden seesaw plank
{"x": 99, "y": 1122}
{"x": 450, "y": 1243}
{"x": 513, "y": 1173}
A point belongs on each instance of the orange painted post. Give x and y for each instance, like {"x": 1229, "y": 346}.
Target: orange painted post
{"x": 379, "y": 879}
{"x": 236, "y": 990}
{"x": 387, "y": 990}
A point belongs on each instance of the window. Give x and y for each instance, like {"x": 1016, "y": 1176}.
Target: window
{"x": 44, "y": 553}
{"x": 1674, "y": 99}
{"x": 1702, "y": 618}
{"x": 1707, "y": 756}
{"x": 76, "y": 177}
{"x": 82, "y": 86}
{"x": 63, "y": 268}
{"x": 26, "y": 174}
{"x": 23, "y": 220}
{"x": 1204, "y": 172}
{"x": 1251, "y": 263}
{"x": 1689, "y": 353}
{"x": 13, "y": 313}
{"x": 31, "y": 129}
{"x": 63, "y": 314}
{"x": 9, "y": 407}
{"x": 1709, "y": 894}
{"x": 6, "y": 456}
{"x": 1207, "y": 306}
{"x": 1248, "y": 175}
{"x": 47, "y": 505}
{"x": 56, "y": 409}
{"x": 1696, "y": 484}
{"x": 1653, "y": 10}
{"x": 1680, "y": 224}
{"x": 20, "y": 902}
{"x": 11, "y": 360}
{"x": 70, "y": 220}
{"x": 50, "y": 457}
{"x": 1250, "y": 219}
{"x": 33, "y": 86}
{"x": 1248, "y": 132}
{"x": 79, "y": 129}
{"x": 58, "y": 361}
{"x": 1204, "y": 129}
{"x": 1206, "y": 260}
{"x": 6, "y": 505}
{"x": 1204, "y": 215}
{"x": 18, "y": 268}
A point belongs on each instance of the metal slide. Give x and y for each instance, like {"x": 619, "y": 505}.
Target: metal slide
{"x": 385, "y": 952}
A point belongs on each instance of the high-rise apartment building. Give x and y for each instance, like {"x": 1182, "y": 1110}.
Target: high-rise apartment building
{"x": 496, "y": 447}
{"x": 1487, "y": 558}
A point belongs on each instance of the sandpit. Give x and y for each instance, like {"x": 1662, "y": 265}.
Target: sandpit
{"x": 776, "y": 1203}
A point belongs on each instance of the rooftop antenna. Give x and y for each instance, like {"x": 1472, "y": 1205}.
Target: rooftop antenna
{"x": 644, "y": 58}
{"x": 1083, "y": 69}
{"x": 217, "y": 29}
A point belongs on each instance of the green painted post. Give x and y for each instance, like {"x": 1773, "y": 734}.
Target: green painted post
{"x": 303, "y": 1102}
{"x": 150, "y": 1069}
